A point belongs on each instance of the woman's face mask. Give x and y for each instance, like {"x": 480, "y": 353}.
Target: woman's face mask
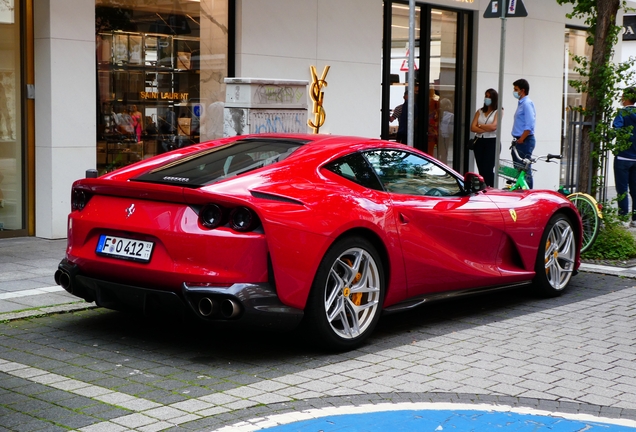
{"x": 487, "y": 101}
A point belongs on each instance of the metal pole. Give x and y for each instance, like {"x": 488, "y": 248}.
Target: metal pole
{"x": 411, "y": 79}
{"x": 502, "y": 56}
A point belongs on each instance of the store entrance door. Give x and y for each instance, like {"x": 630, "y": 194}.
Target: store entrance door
{"x": 442, "y": 65}
{"x": 13, "y": 123}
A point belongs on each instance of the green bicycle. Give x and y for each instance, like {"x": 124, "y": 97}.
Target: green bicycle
{"x": 588, "y": 207}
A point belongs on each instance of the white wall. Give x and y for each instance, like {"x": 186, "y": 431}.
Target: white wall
{"x": 65, "y": 117}
{"x": 627, "y": 49}
{"x": 281, "y": 39}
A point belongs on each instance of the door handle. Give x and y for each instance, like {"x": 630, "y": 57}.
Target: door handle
{"x": 404, "y": 219}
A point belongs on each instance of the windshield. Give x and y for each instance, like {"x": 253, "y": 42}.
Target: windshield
{"x": 220, "y": 163}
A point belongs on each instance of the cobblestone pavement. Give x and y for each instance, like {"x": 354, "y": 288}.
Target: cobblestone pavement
{"x": 100, "y": 370}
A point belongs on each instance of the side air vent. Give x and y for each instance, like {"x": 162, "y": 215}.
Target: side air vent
{"x": 272, "y": 197}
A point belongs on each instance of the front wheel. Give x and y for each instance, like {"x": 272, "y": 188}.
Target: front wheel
{"x": 346, "y": 297}
{"x": 588, "y": 209}
{"x": 555, "y": 257}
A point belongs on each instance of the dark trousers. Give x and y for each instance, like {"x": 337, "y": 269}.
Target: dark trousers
{"x": 525, "y": 151}
{"x": 625, "y": 179}
{"x": 485, "y": 158}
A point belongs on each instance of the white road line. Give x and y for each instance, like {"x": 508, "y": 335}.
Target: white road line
{"x": 30, "y": 292}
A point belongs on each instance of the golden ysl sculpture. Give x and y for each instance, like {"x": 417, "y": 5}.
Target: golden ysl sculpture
{"x": 317, "y": 96}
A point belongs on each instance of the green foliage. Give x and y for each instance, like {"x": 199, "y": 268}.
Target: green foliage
{"x": 614, "y": 77}
{"x": 601, "y": 79}
{"x": 614, "y": 242}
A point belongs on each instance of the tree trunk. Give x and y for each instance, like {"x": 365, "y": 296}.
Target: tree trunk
{"x": 601, "y": 51}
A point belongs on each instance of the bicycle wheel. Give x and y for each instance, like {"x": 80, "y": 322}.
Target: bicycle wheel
{"x": 588, "y": 209}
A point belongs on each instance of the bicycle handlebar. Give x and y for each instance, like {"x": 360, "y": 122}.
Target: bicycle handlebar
{"x": 529, "y": 161}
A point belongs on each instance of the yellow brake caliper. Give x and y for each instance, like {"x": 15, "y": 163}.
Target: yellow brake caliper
{"x": 555, "y": 254}
{"x": 356, "y": 298}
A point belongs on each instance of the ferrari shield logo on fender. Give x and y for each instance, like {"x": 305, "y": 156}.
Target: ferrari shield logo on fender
{"x": 130, "y": 210}
{"x": 513, "y": 214}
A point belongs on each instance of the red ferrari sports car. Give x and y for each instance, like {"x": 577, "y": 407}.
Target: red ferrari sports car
{"x": 272, "y": 230}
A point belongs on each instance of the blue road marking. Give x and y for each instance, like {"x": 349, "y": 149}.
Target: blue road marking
{"x": 446, "y": 420}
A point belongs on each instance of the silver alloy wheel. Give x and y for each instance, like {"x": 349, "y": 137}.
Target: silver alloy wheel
{"x": 352, "y": 293}
{"x": 560, "y": 253}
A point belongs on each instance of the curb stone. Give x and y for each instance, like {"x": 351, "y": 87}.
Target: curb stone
{"x": 40, "y": 311}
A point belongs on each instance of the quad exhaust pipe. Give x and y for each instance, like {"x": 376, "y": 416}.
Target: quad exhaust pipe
{"x": 208, "y": 307}
{"x": 227, "y": 308}
{"x": 63, "y": 279}
{"x": 230, "y": 308}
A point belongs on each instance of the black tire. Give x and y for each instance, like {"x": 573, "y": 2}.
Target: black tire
{"x": 556, "y": 257}
{"x": 346, "y": 298}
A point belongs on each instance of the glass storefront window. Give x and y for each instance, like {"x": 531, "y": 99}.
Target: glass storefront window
{"x": 399, "y": 61}
{"x": 160, "y": 69}
{"x": 11, "y": 134}
{"x": 575, "y": 46}
{"x": 442, "y": 71}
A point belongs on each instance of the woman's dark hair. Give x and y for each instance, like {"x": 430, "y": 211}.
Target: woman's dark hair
{"x": 494, "y": 100}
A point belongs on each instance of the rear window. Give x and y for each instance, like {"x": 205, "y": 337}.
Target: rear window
{"x": 220, "y": 163}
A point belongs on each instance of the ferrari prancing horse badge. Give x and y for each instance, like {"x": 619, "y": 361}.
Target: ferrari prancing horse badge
{"x": 513, "y": 214}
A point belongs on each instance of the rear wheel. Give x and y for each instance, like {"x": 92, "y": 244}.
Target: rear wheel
{"x": 588, "y": 209}
{"x": 347, "y": 294}
{"x": 555, "y": 257}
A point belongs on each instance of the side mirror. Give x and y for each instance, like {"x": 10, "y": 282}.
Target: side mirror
{"x": 473, "y": 183}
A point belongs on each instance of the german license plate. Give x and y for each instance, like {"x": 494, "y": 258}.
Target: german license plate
{"x": 119, "y": 247}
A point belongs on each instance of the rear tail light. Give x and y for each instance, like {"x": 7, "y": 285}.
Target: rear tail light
{"x": 211, "y": 216}
{"x": 79, "y": 199}
{"x": 243, "y": 219}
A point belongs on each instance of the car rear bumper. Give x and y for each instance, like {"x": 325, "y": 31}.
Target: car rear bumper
{"x": 247, "y": 304}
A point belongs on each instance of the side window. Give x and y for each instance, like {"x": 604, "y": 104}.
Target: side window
{"x": 354, "y": 167}
{"x": 402, "y": 172}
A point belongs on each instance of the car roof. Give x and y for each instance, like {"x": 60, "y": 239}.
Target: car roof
{"x": 330, "y": 143}
{"x": 316, "y": 149}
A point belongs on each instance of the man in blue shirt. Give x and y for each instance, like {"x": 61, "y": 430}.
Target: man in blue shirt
{"x": 523, "y": 125}
{"x": 625, "y": 160}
